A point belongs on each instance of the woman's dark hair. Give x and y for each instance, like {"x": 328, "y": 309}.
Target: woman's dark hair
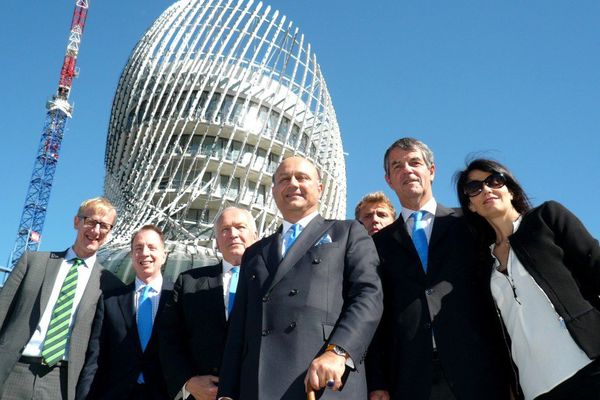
{"x": 520, "y": 200}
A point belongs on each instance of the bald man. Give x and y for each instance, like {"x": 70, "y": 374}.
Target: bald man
{"x": 308, "y": 302}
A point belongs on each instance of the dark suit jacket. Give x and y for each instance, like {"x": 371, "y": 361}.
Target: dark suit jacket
{"x": 23, "y": 300}
{"x": 564, "y": 259}
{"x": 465, "y": 329}
{"x": 115, "y": 357}
{"x": 287, "y": 312}
{"x": 193, "y": 329}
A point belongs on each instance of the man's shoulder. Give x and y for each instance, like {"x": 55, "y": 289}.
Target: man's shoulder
{"x": 108, "y": 281}
{"x": 45, "y": 255}
{"x": 201, "y": 272}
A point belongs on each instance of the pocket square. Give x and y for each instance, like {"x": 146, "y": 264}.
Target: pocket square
{"x": 324, "y": 239}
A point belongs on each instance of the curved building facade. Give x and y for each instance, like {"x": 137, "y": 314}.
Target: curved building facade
{"x": 212, "y": 98}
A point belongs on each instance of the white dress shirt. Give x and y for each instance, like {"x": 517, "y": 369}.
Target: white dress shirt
{"x": 35, "y": 345}
{"x": 154, "y": 294}
{"x": 302, "y": 222}
{"x": 541, "y": 346}
{"x": 227, "y": 273}
{"x": 427, "y": 221}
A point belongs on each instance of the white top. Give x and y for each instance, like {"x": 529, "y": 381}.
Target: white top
{"x": 154, "y": 294}
{"x": 428, "y": 217}
{"x": 302, "y": 222}
{"x": 227, "y": 273}
{"x": 35, "y": 344}
{"x": 542, "y": 347}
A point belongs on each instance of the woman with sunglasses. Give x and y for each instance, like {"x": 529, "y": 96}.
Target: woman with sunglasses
{"x": 544, "y": 276}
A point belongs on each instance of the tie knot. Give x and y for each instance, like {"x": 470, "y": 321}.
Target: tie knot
{"x": 295, "y": 230}
{"x": 235, "y": 270}
{"x": 145, "y": 290}
{"x": 418, "y": 215}
{"x": 77, "y": 262}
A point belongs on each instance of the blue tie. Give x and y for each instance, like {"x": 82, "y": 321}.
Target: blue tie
{"x": 419, "y": 237}
{"x": 290, "y": 237}
{"x": 235, "y": 275}
{"x": 144, "y": 320}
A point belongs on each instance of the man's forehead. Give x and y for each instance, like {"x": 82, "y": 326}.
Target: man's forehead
{"x": 411, "y": 154}
{"x": 372, "y": 207}
{"x": 233, "y": 217}
{"x": 293, "y": 166}
{"x": 99, "y": 213}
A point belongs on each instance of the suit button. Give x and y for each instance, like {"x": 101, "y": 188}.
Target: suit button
{"x": 293, "y": 292}
{"x": 265, "y": 332}
{"x": 316, "y": 261}
{"x": 292, "y": 325}
{"x": 253, "y": 276}
{"x": 428, "y": 292}
{"x": 266, "y": 298}
{"x": 428, "y": 325}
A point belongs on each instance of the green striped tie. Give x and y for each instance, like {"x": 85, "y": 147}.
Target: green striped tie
{"x": 58, "y": 329}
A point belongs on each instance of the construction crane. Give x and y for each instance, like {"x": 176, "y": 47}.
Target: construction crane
{"x": 29, "y": 235}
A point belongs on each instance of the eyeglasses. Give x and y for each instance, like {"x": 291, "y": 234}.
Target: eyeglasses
{"x": 91, "y": 223}
{"x": 494, "y": 181}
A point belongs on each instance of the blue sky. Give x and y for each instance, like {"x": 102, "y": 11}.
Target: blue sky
{"x": 515, "y": 80}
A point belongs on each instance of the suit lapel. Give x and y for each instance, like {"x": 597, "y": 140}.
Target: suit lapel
{"x": 313, "y": 232}
{"x": 401, "y": 235}
{"x": 213, "y": 279}
{"x": 441, "y": 223}
{"x": 271, "y": 251}
{"x": 50, "y": 273}
{"x": 126, "y": 304}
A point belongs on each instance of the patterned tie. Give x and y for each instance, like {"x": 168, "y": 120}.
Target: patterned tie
{"x": 290, "y": 237}
{"x": 58, "y": 330}
{"x": 419, "y": 237}
{"x": 144, "y": 321}
{"x": 235, "y": 274}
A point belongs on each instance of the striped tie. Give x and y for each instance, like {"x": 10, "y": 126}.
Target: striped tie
{"x": 58, "y": 330}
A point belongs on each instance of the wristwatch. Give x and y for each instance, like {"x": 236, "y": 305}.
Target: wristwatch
{"x": 337, "y": 350}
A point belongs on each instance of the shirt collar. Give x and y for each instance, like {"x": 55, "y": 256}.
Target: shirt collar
{"x": 88, "y": 262}
{"x": 155, "y": 284}
{"x": 430, "y": 207}
{"x": 227, "y": 266}
{"x": 302, "y": 222}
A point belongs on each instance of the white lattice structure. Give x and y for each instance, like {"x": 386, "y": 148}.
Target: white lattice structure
{"x": 213, "y": 97}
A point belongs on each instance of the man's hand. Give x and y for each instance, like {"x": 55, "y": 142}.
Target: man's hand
{"x": 379, "y": 395}
{"x": 203, "y": 387}
{"x": 323, "y": 368}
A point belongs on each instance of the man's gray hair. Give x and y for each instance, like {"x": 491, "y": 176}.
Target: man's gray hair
{"x": 408, "y": 144}
{"x": 248, "y": 214}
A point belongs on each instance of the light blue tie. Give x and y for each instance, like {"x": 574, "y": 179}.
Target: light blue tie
{"x": 235, "y": 275}
{"x": 290, "y": 237}
{"x": 144, "y": 321}
{"x": 419, "y": 237}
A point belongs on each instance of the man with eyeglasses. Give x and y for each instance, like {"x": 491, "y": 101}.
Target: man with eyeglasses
{"x": 47, "y": 307}
{"x": 437, "y": 339}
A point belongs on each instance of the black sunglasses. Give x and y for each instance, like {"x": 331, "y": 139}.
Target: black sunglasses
{"x": 494, "y": 181}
